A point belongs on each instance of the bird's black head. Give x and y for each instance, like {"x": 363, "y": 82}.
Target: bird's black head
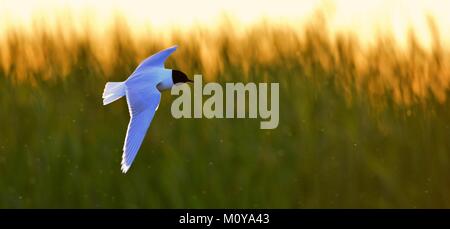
{"x": 179, "y": 77}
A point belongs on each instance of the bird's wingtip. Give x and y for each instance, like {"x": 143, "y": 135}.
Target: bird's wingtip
{"x": 124, "y": 168}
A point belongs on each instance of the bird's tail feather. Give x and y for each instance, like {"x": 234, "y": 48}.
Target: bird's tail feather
{"x": 113, "y": 91}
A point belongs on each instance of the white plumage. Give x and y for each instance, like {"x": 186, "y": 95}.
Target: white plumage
{"x": 142, "y": 91}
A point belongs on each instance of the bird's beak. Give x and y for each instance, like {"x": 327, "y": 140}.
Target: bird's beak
{"x": 190, "y": 81}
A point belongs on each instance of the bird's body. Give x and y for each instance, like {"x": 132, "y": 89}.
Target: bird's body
{"x": 143, "y": 93}
{"x": 159, "y": 78}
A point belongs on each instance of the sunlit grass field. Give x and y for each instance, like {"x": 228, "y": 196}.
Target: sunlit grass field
{"x": 360, "y": 127}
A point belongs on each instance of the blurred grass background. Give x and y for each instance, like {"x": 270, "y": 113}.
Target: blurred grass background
{"x": 359, "y": 127}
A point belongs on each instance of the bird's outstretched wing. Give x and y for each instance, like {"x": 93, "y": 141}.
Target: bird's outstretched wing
{"x": 142, "y": 105}
{"x": 156, "y": 60}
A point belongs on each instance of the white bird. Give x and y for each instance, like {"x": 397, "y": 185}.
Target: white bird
{"x": 143, "y": 92}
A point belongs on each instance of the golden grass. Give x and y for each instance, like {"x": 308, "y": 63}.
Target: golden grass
{"x": 359, "y": 126}
{"x": 410, "y": 76}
